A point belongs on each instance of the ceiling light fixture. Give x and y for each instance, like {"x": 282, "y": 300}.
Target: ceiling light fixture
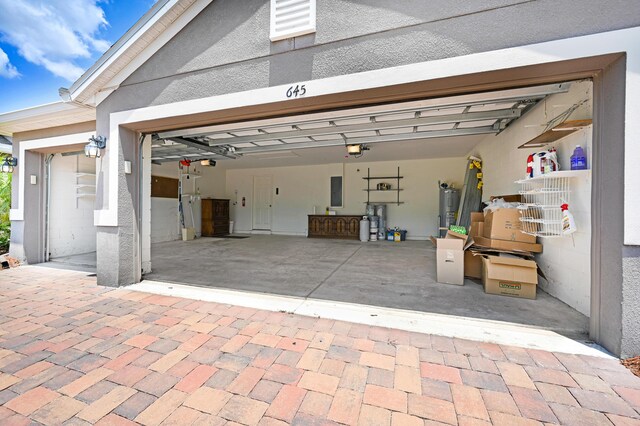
{"x": 357, "y": 150}
{"x": 95, "y": 146}
{"x": 8, "y": 164}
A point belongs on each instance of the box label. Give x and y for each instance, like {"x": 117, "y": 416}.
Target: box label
{"x": 509, "y": 286}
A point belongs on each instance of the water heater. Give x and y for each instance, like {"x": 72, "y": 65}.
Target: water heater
{"x": 449, "y": 203}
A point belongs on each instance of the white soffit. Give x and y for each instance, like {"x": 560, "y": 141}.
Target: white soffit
{"x": 476, "y": 114}
{"x": 44, "y": 116}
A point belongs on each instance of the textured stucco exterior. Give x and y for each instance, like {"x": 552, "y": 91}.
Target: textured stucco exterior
{"x": 226, "y": 48}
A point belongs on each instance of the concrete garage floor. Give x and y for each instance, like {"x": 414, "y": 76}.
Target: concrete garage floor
{"x": 394, "y": 275}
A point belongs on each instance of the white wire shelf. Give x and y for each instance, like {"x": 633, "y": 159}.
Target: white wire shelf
{"x": 558, "y": 174}
{"x": 542, "y": 196}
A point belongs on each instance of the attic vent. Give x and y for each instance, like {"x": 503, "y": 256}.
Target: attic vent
{"x": 291, "y": 18}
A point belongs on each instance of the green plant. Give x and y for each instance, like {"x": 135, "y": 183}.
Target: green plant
{"x": 5, "y": 205}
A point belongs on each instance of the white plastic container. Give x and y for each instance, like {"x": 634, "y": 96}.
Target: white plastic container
{"x": 230, "y": 227}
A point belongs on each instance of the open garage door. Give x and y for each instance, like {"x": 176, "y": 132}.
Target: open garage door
{"x": 413, "y": 147}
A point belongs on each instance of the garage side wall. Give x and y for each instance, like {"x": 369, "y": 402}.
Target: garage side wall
{"x": 566, "y": 261}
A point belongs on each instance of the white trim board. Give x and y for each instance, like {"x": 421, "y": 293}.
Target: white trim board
{"x": 57, "y": 141}
{"x": 541, "y": 53}
{"x": 502, "y": 333}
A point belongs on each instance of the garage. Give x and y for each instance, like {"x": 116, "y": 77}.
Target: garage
{"x": 295, "y": 136}
{"x": 277, "y": 176}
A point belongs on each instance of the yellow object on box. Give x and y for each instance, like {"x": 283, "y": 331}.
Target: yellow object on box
{"x": 396, "y": 237}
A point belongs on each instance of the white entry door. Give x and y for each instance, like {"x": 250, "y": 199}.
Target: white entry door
{"x": 262, "y": 202}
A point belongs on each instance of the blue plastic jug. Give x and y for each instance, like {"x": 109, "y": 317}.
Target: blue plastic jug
{"x": 578, "y": 159}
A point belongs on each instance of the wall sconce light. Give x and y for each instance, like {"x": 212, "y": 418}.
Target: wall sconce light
{"x": 95, "y": 145}
{"x": 8, "y": 164}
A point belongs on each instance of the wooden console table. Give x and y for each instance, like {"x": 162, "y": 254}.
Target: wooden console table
{"x": 326, "y": 226}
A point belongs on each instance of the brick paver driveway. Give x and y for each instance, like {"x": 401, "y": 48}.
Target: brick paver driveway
{"x": 74, "y": 353}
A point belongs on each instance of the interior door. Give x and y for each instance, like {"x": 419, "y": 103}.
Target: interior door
{"x": 262, "y": 202}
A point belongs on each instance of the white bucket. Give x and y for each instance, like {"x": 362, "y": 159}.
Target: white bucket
{"x": 231, "y": 227}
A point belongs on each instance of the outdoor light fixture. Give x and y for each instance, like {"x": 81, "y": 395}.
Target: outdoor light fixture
{"x": 8, "y": 164}
{"x": 95, "y": 145}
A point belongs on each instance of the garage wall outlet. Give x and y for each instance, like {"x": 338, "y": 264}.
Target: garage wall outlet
{"x": 34, "y": 179}
{"x": 127, "y": 167}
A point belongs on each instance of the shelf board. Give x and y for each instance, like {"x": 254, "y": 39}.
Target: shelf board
{"x": 382, "y": 177}
{"x": 85, "y": 185}
{"x": 383, "y": 190}
{"x": 85, "y": 195}
{"x": 556, "y": 133}
{"x": 558, "y": 174}
{"x": 384, "y": 202}
{"x": 80, "y": 174}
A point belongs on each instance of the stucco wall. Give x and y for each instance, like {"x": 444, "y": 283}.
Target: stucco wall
{"x": 226, "y": 48}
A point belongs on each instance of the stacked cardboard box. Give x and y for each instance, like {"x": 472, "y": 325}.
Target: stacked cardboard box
{"x": 502, "y": 255}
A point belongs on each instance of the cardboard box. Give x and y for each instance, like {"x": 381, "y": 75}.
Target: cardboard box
{"x": 468, "y": 241}
{"x": 509, "y": 276}
{"x": 188, "y": 234}
{"x": 504, "y": 224}
{"x": 450, "y": 260}
{"x": 477, "y": 217}
{"x": 476, "y": 229}
{"x": 507, "y": 245}
{"x": 472, "y": 264}
{"x": 512, "y": 198}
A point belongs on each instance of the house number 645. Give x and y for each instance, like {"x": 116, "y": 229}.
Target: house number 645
{"x": 296, "y": 91}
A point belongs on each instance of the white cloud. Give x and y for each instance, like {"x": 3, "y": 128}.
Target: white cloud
{"x": 54, "y": 33}
{"x": 6, "y": 68}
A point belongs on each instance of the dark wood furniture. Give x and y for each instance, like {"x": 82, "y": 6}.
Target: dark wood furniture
{"x": 215, "y": 217}
{"x": 325, "y": 226}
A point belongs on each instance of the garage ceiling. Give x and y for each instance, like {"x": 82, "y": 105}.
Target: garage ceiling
{"x": 429, "y": 120}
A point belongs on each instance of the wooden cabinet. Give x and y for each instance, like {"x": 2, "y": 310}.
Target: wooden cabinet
{"x": 324, "y": 226}
{"x": 215, "y": 217}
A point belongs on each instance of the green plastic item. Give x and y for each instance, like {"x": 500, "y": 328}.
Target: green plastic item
{"x": 458, "y": 229}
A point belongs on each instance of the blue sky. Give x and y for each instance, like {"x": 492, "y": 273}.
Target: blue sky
{"x": 46, "y": 44}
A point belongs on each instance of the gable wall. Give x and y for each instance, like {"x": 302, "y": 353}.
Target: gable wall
{"x": 226, "y": 48}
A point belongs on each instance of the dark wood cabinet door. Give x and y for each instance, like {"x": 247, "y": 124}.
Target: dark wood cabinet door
{"x": 346, "y": 227}
{"x": 354, "y": 227}
{"x": 315, "y": 225}
{"x": 342, "y": 226}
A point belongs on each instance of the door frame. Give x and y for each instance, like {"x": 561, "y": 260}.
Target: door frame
{"x": 253, "y": 204}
